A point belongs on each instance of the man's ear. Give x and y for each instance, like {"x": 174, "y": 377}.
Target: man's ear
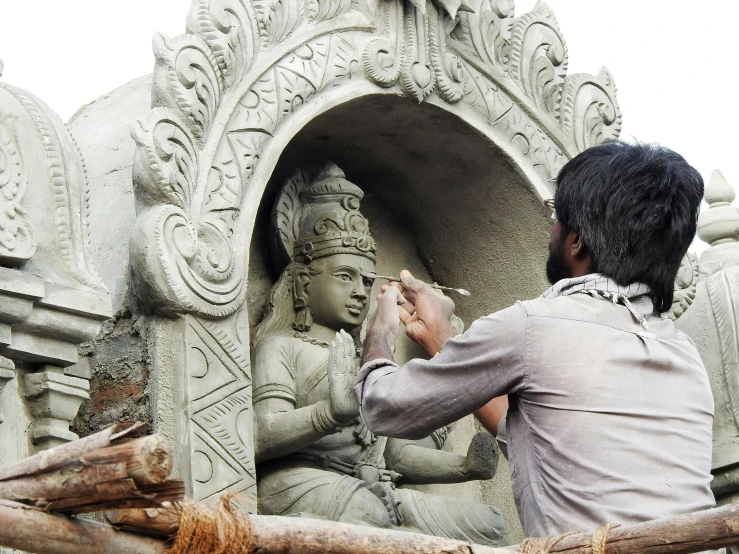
{"x": 301, "y": 280}
{"x": 582, "y": 258}
{"x": 578, "y": 248}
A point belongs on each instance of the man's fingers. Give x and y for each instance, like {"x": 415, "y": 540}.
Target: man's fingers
{"x": 404, "y": 315}
{"x": 389, "y": 302}
{"x": 412, "y": 286}
{"x": 405, "y": 305}
{"x": 410, "y": 282}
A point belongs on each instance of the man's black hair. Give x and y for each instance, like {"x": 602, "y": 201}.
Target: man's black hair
{"x": 635, "y": 206}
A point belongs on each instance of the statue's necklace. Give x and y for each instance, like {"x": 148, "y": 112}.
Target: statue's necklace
{"x": 311, "y": 340}
{"x": 321, "y": 343}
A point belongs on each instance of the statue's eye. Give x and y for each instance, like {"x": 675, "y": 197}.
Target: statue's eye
{"x": 368, "y": 283}
{"x": 344, "y": 276}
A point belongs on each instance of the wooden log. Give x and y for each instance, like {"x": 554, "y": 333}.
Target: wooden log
{"x": 148, "y": 459}
{"x": 49, "y": 460}
{"x": 683, "y": 534}
{"x": 163, "y": 521}
{"x": 33, "y": 530}
{"x": 69, "y": 481}
{"x": 108, "y": 497}
{"x": 120, "y": 494}
{"x": 129, "y": 474}
{"x": 275, "y": 534}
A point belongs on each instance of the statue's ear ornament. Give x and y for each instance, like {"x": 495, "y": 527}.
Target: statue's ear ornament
{"x": 318, "y": 217}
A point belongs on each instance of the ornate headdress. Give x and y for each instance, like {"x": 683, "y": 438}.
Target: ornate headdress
{"x": 319, "y": 218}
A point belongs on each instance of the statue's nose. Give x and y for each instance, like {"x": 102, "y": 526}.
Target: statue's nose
{"x": 360, "y": 291}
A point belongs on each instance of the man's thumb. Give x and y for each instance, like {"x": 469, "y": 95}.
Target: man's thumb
{"x": 388, "y": 300}
{"x": 410, "y": 282}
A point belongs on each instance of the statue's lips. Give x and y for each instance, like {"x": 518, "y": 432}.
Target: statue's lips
{"x": 354, "y": 310}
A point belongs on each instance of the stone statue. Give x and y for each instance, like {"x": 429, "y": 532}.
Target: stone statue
{"x": 315, "y": 457}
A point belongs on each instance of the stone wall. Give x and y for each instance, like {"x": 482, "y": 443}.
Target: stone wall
{"x": 119, "y": 363}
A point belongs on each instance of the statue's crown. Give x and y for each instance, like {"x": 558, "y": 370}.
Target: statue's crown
{"x": 320, "y": 217}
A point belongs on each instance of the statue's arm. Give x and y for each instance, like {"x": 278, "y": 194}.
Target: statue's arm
{"x": 282, "y": 429}
{"x": 421, "y": 465}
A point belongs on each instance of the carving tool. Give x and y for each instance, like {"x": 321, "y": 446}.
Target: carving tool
{"x": 463, "y": 292}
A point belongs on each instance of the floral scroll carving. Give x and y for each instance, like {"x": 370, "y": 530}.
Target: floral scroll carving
{"x": 686, "y": 284}
{"x": 223, "y": 90}
{"x": 191, "y": 250}
{"x": 16, "y": 241}
{"x": 488, "y": 31}
{"x": 590, "y": 112}
{"x": 538, "y": 59}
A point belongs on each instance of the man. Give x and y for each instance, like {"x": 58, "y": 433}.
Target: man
{"x": 610, "y": 413}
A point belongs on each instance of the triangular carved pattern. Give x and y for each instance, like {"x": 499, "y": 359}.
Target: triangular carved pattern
{"x": 219, "y": 412}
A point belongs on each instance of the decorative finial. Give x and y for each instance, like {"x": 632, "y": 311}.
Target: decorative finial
{"x": 720, "y": 223}
{"x": 330, "y": 170}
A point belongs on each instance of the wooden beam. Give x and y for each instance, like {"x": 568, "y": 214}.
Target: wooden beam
{"x": 683, "y": 534}
{"x": 32, "y": 530}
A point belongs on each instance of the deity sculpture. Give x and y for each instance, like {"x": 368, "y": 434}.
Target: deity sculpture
{"x": 315, "y": 456}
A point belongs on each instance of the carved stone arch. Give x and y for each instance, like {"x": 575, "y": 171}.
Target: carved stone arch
{"x": 229, "y": 95}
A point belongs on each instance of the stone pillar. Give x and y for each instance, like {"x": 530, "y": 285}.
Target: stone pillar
{"x": 710, "y": 297}
{"x": 7, "y": 373}
{"x": 50, "y": 297}
{"x": 53, "y": 400}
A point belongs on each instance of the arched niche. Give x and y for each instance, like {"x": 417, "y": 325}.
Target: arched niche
{"x": 441, "y": 197}
{"x": 443, "y": 200}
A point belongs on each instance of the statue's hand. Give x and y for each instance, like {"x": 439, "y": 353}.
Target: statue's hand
{"x": 482, "y": 457}
{"x": 342, "y": 372}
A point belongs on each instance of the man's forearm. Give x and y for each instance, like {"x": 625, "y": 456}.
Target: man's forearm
{"x": 378, "y": 344}
{"x": 492, "y": 412}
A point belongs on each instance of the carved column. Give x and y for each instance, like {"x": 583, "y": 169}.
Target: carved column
{"x": 7, "y": 373}
{"x": 53, "y": 399}
{"x": 711, "y": 304}
{"x": 50, "y": 297}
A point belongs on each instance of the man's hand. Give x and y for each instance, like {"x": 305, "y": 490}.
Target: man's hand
{"x": 380, "y": 339}
{"x": 425, "y": 312}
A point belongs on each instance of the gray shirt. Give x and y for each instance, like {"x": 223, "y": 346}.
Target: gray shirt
{"x": 610, "y": 417}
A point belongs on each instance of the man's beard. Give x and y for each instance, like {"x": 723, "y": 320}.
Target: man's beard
{"x": 557, "y": 268}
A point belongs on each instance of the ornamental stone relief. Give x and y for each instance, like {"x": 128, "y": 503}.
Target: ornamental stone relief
{"x": 51, "y": 297}
{"x": 706, "y": 307}
{"x": 229, "y": 94}
{"x": 16, "y": 241}
{"x": 222, "y": 92}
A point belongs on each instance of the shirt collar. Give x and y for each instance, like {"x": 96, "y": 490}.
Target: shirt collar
{"x": 594, "y": 281}
{"x": 598, "y": 285}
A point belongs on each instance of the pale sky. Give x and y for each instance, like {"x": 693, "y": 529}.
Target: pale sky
{"x": 672, "y": 60}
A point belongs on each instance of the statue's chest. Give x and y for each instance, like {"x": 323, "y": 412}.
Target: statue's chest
{"x": 311, "y": 376}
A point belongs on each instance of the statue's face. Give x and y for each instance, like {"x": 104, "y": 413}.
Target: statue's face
{"x": 339, "y": 295}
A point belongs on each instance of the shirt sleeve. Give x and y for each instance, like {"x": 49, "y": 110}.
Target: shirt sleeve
{"x": 412, "y": 401}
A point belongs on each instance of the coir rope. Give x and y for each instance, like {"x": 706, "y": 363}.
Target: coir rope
{"x": 213, "y": 529}
{"x": 545, "y": 545}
